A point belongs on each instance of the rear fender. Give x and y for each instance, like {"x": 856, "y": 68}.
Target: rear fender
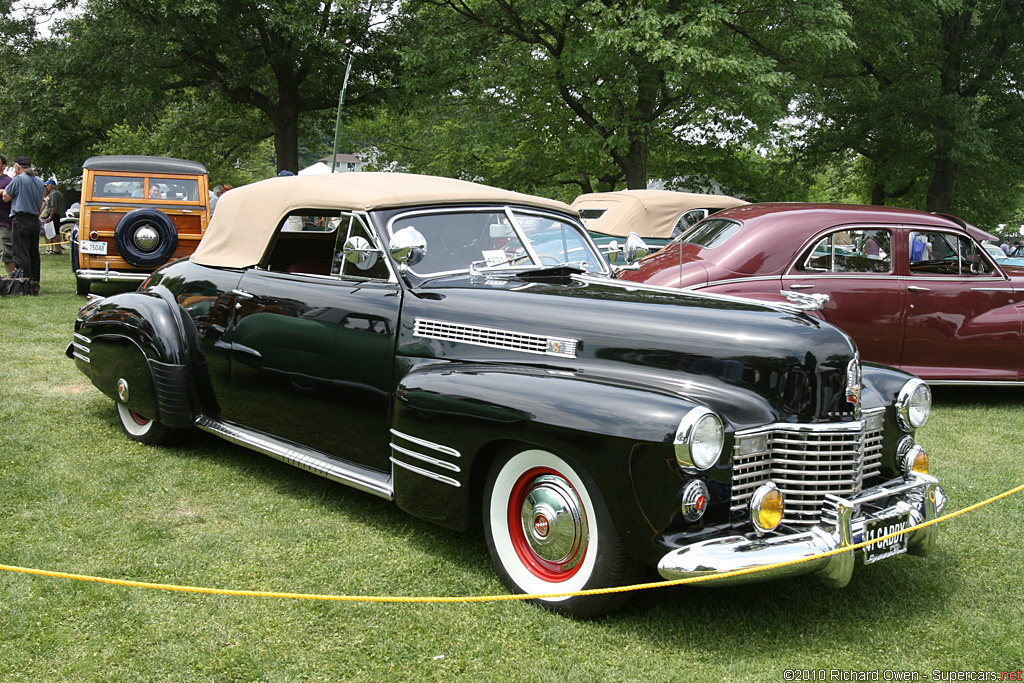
{"x": 133, "y": 348}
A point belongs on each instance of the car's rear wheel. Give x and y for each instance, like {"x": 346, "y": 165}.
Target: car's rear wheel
{"x": 548, "y": 531}
{"x": 141, "y": 428}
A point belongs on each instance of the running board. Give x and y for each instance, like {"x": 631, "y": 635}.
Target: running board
{"x": 341, "y": 471}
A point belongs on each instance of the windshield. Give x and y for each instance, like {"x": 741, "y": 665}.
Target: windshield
{"x": 499, "y": 239}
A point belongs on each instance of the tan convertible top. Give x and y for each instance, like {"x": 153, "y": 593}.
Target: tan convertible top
{"x": 651, "y": 213}
{"x": 247, "y": 217}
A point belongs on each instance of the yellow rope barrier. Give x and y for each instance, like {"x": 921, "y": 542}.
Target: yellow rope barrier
{"x": 492, "y": 598}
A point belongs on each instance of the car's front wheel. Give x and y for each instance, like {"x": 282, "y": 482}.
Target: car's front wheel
{"x": 548, "y": 531}
{"x": 141, "y": 428}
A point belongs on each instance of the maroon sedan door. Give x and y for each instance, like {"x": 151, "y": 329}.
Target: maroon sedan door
{"x": 962, "y": 324}
{"x": 854, "y": 267}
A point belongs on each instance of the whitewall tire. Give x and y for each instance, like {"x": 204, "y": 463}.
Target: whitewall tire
{"x": 548, "y": 531}
{"x": 140, "y": 428}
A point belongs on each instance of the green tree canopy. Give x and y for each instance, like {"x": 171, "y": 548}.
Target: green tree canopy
{"x": 598, "y": 89}
{"x": 931, "y": 99}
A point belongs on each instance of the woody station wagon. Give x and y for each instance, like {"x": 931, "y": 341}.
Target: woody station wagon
{"x": 445, "y": 345}
{"x": 137, "y": 213}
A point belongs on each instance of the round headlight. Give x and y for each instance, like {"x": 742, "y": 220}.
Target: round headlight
{"x": 767, "y": 507}
{"x": 699, "y": 439}
{"x": 914, "y": 404}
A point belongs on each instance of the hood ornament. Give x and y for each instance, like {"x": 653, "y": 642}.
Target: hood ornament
{"x": 853, "y": 382}
{"x": 806, "y": 302}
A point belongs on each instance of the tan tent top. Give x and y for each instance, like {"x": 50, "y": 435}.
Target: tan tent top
{"x": 651, "y": 213}
{"x": 247, "y": 217}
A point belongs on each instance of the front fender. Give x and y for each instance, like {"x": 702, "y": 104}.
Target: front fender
{"x": 461, "y": 416}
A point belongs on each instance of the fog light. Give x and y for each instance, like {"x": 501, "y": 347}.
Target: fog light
{"x": 916, "y": 460}
{"x": 766, "y": 508}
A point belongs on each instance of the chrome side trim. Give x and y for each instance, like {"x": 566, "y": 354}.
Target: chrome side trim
{"x": 427, "y": 444}
{"x": 443, "y": 464}
{"x": 79, "y": 349}
{"x": 344, "y": 472}
{"x": 429, "y": 475}
{"x": 973, "y": 383}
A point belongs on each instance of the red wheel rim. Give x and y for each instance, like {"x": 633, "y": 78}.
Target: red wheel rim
{"x": 139, "y": 420}
{"x": 540, "y": 522}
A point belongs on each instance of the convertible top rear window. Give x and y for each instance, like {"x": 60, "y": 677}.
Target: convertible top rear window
{"x": 711, "y": 233}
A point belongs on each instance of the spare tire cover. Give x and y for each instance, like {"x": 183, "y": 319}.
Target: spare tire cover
{"x": 145, "y": 237}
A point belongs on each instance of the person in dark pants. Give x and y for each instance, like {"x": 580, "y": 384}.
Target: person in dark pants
{"x": 25, "y": 193}
{"x": 53, "y": 213}
{"x": 6, "y": 234}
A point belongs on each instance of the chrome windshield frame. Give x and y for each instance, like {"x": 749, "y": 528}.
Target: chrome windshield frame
{"x": 512, "y": 214}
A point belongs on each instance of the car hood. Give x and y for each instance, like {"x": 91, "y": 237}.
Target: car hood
{"x": 720, "y": 351}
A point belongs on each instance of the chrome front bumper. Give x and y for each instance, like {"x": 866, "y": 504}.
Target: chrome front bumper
{"x": 920, "y": 496}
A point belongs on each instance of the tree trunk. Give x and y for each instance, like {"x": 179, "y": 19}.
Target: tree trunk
{"x": 878, "y": 194}
{"x": 634, "y": 164}
{"x": 286, "y": 141}
{"x": 940, "y": 192}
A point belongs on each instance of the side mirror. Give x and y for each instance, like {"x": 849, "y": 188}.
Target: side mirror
{"x": 612, "y": 251}
{"x": 408, "y": 246}
{"x": 636, "y": 248}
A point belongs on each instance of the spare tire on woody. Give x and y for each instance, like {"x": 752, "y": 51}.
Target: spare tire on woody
{"x": 145, "y": 237}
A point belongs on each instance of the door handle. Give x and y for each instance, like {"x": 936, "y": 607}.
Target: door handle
{"x": 801, "y": 286}
{"x": 239, "y": 295}
{"x": 915, "y": 288}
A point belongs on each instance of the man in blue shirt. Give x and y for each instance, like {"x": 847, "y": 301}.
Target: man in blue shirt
{"x": 25, "y": 193}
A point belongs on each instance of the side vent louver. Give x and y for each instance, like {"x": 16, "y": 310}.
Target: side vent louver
{"x": 494, "y": 338}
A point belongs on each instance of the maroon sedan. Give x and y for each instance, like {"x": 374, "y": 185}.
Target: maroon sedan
{"x": 915, "y": 290}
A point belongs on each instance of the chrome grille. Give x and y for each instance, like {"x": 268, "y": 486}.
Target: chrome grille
{"x": 809, "y": 462}
{"x": 495, "y": 338}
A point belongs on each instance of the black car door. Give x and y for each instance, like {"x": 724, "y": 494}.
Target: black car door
{"x": 312, "y": 341}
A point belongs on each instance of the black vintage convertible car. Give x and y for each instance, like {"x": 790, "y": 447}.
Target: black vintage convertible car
{"x": 467, "y": 353}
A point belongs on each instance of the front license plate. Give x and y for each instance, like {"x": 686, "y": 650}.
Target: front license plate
{"x": 877, "y": 528}
{"x": 93, "y": 248}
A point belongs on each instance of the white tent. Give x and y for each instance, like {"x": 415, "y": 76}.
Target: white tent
{"x": 316, "y": 169}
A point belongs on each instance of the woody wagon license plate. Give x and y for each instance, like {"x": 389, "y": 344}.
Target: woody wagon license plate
{"x": 879, "y": 528}
{"x": 93, "y": 248}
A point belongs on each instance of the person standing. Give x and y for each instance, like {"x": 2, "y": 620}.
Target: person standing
{"x": 6, "y": 236}
{"x": 25, "y": 193}
{"x": 53, "y": 212}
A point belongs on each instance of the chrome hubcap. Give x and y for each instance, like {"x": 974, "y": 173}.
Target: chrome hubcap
{"x": 146, "y": 238}
{"x": 554, "y": 522}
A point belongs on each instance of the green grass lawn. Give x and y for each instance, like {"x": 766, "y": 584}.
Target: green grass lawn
{"x": 76, "y": 496}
